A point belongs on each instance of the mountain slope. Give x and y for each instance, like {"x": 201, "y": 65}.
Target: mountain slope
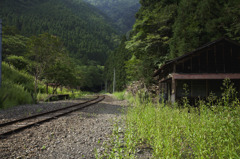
{"x": 86, "y": 32}
{"x": 122, "y": 12}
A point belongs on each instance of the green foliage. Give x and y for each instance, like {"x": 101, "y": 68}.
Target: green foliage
{"x": 22, "y": 78}
{"x": 14, "y": 45}
{"x": 229, "y": 95}
{"x": 45, "y": 52}
{"x": 14, "y": 94}
{"x": 151, "y": 34}
{"x": 90, "y": 77}
{"x": 173, "y": 132}
{"x": 199, "y": 22}
{"x": 116, "y": 60}
{"x": 121, "y": 12}
{"x": 133, "y": 68}
{"x": 60, "y": 73}
{"x": 18, "y": 62}
{"x": 167, "y": 29}
{"x": 17, "y": 87}
{"x": 119, "y": 95}
{"x": 85, "y": 31}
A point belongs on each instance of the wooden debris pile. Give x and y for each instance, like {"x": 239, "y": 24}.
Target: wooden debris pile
{"x": 139, "y": 88}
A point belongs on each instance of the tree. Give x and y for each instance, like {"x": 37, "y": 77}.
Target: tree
{"x": 44, "y": 49}
{"x": 18, "y": 62}
{"x": 62, "y": 73}
{"x": 151, "y": 33}
{"x": 199, "y": 22}
{"x": 14, "y": 45}
{"x": 117, "y": 60}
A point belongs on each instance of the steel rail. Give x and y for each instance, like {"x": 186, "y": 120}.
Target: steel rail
{"x": 55, "y": 114}
{"x": 41, "y": 114}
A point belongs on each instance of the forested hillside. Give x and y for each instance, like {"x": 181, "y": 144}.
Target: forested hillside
{"x": 85, "y": 31}
{"x": 121, "y": 12}
{"x": 166, "y": 29}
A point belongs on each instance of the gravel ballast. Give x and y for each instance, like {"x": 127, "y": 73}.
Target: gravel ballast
{"x": 76, "y": 135}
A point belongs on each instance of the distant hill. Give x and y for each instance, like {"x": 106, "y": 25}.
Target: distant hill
{"x": 85, "y": 31}
{"x": 122, "y": 12}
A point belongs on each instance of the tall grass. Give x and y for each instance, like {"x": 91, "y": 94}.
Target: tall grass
{"x": 175, "y": 133}
{"x": 16, "y": 87}
{"x": 18, "y": 77}
{"x": 119, "y": 95}
{"x": 12, "y": 94}
{"x": 73, "y": 93}
{"x": 209, "y": 131}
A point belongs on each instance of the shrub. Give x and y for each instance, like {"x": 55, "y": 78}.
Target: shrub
{"x": 18, "y": 62}
{"x": 17, "y": 77}
{"x": 16, "y": 87}
{"x": 119, "y": 95}
{"x": 15, "y": 95}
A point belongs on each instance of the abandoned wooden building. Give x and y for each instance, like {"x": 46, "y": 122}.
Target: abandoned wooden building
{"x": 203, "y": 70}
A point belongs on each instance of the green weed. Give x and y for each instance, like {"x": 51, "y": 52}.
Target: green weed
{"x": 210, "y": 130}
{"x": 119, "y": 95}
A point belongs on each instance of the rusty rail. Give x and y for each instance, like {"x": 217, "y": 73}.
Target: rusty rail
{"x": 24, "y": 123}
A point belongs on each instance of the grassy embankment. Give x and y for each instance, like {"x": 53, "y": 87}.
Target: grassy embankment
{"x": 18, "y": 88}
{"x": 209, "y": 131}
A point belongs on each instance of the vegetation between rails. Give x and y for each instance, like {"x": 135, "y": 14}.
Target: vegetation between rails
{"x": 209, "y": 131}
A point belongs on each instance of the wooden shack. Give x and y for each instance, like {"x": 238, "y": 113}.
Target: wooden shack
{"x": 203, "y": 70}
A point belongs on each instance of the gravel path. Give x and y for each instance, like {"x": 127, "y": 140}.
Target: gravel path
{"x": 76, "y": 135}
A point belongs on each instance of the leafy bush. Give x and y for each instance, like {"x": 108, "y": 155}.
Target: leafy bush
{"x": 42, "y": 96}
{"x": 17, "y": 77}
{"x": 119, "y": 95}
{"x": 17, "y": 61}
{"x": 16, "y": 87}
{"x": 15, "y": 95}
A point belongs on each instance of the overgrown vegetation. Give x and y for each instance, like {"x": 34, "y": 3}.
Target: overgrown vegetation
{"x": 166, "y": 29}
{"x": 119, "y": 95}
{"x": 29, "y": 63}
{"x": 210, "y": 130}
{"x": 17, "y": 87}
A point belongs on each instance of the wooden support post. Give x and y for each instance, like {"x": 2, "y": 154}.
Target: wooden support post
{"x": 231, "y": 60}
{"x": 191, "y": 64}
{"x": 199, "y": 65}
{"x": 106, "y": 83}
{"x": 215, "y": 59}
{"x": 174, "y": 68}
{"x": 191, "y": 85}
{"x": 0, "y": 53}
{"x": 224, "y": 60}
{"x": 173, "y": 92}
{"x": 207, "y": 62}
{"x": 114, "y": 80}
{"x": 206, "y": 88}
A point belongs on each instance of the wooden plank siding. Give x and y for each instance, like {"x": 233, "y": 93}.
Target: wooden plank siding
{"x": 215, "y": 61}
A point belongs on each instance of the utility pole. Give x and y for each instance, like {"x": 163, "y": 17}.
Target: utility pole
{"x": 0, "y": 53}
{"x": 114, "y": 80}
{"x": 106, "y": 86}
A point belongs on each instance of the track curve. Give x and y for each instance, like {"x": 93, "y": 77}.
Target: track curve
{"x": 24, "y": 123}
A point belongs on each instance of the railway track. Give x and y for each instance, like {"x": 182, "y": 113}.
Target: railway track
{"x": 34, "y": 120}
